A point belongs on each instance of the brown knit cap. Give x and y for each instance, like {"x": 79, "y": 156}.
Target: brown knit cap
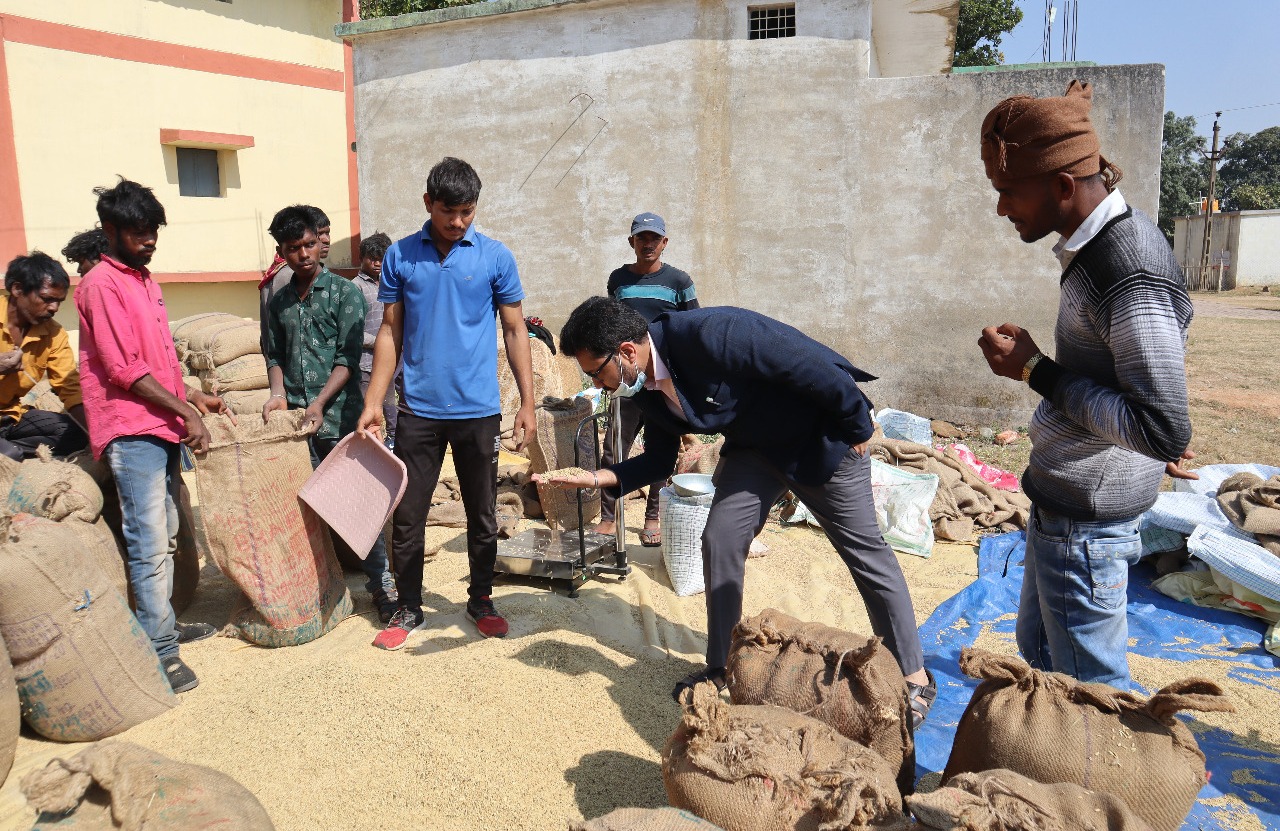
{"x": 1024, "y": 136}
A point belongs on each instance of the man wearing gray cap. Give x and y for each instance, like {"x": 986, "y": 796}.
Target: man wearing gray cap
{"x": 652, "y": 288}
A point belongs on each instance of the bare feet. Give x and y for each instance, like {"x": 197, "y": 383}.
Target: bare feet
{"x": 606, "y": 528}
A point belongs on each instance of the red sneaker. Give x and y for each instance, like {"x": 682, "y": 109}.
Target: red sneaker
{"x": 488, "y": 621}
{"x": 402, "y": 624}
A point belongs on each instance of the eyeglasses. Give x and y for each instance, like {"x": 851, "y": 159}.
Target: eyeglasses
{"x": 595, "y": 374}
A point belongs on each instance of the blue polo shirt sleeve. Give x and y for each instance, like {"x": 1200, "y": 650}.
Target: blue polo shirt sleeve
{"x": 505, "y": 278}
{"x": 389, "y": 284}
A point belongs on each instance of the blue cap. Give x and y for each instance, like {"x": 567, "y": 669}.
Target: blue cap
{"x": 648, "y": 222}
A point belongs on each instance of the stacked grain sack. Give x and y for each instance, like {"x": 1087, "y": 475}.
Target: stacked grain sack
{"x": 846, "y": 680}
{"x": 767, "y": 768}
{"x": 83, "y": 666}
{"x": 1025, "y": 729}
{"x": 818, "y": 734}
{"x": 546, "y": 382}
{"x": 223, "y": 353}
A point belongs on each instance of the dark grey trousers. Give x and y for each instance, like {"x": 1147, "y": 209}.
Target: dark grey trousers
{"x": 747, "y": 486}
{"x": 632, "y": 420}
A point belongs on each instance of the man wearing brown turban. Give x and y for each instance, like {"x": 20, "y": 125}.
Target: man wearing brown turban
{"x": 1114, "y": 408}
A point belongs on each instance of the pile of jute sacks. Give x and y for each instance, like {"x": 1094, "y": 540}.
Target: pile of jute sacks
{"x": 76, "y": 666}
{"x": 222, "y": 355}
{"x": 816, "y": 736}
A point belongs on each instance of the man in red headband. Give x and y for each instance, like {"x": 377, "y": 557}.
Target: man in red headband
{"x": 1114, "y": 408}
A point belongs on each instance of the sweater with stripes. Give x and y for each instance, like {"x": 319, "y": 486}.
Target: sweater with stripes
{"x": 1115, "y": 393}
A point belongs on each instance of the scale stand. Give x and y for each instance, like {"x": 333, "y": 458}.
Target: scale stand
{"x": 572, "y": 556}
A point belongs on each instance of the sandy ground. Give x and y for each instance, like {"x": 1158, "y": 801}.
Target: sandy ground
{"x": 564, "y": 718}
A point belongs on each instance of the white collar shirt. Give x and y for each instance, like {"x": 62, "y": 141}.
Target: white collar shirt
{"x": 1107, "y": 210}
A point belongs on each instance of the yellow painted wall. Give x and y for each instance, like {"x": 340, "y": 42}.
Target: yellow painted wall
{"x": 79, "y": 120}
{"x": 297, "y": 31}
{"x": 300, "y": 153}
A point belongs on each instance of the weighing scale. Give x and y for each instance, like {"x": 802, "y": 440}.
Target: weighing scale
{"x": 573, "y": 557}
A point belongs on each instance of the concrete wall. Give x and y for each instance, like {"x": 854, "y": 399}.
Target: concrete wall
{"x": 852, "y": 207}
{"x": 1247, "y": 242}
{"x": 91, "y": 85}
{"x": 1257, "y": 259}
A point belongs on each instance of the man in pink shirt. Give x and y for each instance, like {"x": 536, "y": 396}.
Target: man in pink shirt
{"x": 138, "y": 411}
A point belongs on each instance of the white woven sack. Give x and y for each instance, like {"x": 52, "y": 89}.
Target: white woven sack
{"x": 683, "y": 518}
{"x": 902, "y": 502}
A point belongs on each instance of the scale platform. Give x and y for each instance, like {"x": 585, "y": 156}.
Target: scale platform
{"x": 556, "y": 555}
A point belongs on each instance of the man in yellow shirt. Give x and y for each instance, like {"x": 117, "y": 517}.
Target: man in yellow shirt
{"x": 32, "y": 346}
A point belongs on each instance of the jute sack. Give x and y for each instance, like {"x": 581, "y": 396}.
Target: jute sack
{"x": 247, "y": 402}
{"x": 844, "y": 679}
{"x": 261, "y": 535}
{"x": 118, "y": 785}
{"x": 9, "y": 469}
{"x": 1052, "y": 728}
{"x": 1001, "y": 800}
{"x": 546, "y": 379}
{"x": 645, "y": 819}
{"x": 10, "y": 714}
{"x": 248, "y": 372}
{"x": 552, "y": 449}
{"x": 49, "y": 488}
{"x": 99, "y": 543}
{"x": 183, "y": 329}
{"x": 218, "y": 345}
{"x": 85, "y": 669}
{"x": 769, "y": 769}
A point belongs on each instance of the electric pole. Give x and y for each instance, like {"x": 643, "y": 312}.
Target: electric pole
{"x": 1212, "y": 156}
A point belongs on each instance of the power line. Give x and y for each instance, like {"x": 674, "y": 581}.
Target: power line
{"x": 1238, "y": 109}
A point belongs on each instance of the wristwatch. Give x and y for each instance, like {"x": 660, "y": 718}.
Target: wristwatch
{"x": 1031, "y": 365}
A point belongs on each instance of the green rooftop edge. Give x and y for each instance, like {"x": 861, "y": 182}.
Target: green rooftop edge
{"x": 1015, "y": 67}
{"x": 407, "y": 21}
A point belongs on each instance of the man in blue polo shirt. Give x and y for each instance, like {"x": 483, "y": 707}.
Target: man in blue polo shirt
{"x": 442, "y": 288}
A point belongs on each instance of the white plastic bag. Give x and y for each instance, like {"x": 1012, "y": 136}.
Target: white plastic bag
{"x": 902, "y": 502}
{"x": 683, "y": 518}
{"x": 905, "y": 426}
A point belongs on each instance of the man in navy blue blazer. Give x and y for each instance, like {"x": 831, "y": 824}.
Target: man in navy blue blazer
{"x": 793, "y": 418}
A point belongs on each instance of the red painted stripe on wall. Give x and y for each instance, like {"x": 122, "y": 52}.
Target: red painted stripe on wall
{"x": 140, "y": 50}
{"x": 351, "y": 12}
{"x": 13, "y": 231}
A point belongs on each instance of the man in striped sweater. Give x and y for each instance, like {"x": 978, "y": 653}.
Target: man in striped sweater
{"x": 1114, "y": 412}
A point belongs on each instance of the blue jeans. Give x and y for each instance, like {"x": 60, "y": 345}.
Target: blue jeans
{"x": 146, "y": 472}
{"x": 379, "y": 582}
{"x": 1072, "y": 616}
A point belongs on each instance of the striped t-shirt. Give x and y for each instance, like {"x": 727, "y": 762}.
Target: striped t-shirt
{"x": 666, "y": 290}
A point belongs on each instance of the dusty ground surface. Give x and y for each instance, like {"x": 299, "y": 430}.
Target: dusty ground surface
{"x": 566, "y": 717}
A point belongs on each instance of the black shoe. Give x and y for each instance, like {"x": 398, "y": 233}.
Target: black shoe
{"x": 386, "y": 602}
{"x": 190, "y": 632}
{"x": 181, "y": 677}
{"x": 713, "y": 674}
{"x": 386, "y": 611}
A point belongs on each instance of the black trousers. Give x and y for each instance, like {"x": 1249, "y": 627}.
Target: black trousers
{"x": 632, "y": 420}
{"x": 420, "y": 444}
{"x": 20, "y": 438}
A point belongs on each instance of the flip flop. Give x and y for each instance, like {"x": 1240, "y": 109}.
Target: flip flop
{"x": 921, "y": 697}
{"x": 651, "y": 537}
{"x": 714, "y": 674}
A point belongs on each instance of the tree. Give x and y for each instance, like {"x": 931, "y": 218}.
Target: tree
{"x": 388, "y": 8}
{"x": 984, "y": 20}
{"x": 1250, "y": 174}
{"x": 1256, "y": 197}
{"x": 1184, "y": 176}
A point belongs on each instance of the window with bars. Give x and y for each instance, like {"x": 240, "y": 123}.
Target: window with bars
{"x": 198, "y": 172}
{"x": 772, "y": 21}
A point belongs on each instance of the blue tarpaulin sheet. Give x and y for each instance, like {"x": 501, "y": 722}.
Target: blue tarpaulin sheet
{"x": 1247, "y": 768}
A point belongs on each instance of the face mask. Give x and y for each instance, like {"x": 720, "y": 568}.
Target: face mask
{"x": 628, "y": 390}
